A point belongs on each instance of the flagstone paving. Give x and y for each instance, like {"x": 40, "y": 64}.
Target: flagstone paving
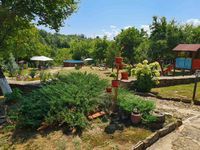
{"x": 187, "y": 137}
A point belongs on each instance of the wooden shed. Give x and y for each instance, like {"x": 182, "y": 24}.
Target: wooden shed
{"x": 187, "y": 56}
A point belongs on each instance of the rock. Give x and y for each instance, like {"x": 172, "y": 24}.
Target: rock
{"x": 2, "y": 121}
{"x": 164, "y": 131}
{"x": 111, "y": 128}
{"x": 151, "y": 139}
{"x": 138, "y": 146}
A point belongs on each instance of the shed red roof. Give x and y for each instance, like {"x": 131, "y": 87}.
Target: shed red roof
{"x": 187, "y": 47}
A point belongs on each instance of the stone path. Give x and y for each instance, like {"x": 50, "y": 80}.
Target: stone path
{"x": 187, "y": 137}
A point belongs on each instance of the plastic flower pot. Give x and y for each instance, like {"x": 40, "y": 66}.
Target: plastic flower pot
{"x": 118, "y": 60}
{"x": 124, "y": 75}
{"x": 115, "y": 83}
{"x": 136, "y": 118}
{"x": 109, "y": 90}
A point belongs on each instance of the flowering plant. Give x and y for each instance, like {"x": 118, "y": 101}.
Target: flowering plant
{"x": 146, "y": 75}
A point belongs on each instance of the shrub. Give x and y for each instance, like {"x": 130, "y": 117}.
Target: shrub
{"x": 128, "y": 68}
{"x": 68, "y": 100}
{"x": 12, "y": 67}
{"x": 44, "y": 76}
{"x": 14, "y": 96}
{"x": 33, "y": 73}
{"x": 77, "y": 67}
{"x": 146, "y": 75}
{"x": 128, "y": 102}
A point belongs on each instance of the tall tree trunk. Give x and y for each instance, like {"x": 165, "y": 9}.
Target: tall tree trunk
{"x": 161, "y": 66}
{"x": 5, "y": 87}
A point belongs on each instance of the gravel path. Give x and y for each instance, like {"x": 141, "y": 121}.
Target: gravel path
{"x": 187, "y": 137}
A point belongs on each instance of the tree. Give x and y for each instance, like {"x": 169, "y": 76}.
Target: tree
{"x": 164, "y": 37}
{"x": 129, "y": 39}
{"x": 80, "y": 49}
{"x": 17, "y": 14}
{"x": 11, "y": 65}
{"x": 111, "y": 53}
{"x": 100, "y": 47}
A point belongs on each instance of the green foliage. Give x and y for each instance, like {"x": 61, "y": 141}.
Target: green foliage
{"x": 128, "y": 102}
{"x": 16, "y": 95}
{"x": 45, "y": 76}
{"x": 148, "y": 119}
{"x": 146, "y": 75}
{"x": 77, "y": 67}
{"x": 80, "y": 49}
{"x": 114, "y": 75}
{"x": 33, "y": 73}
{"x": 129, "y": 40}
{"x": 11, "y": 66}
{"x": 68, "y": 100}
{"x": 99, "y": 49}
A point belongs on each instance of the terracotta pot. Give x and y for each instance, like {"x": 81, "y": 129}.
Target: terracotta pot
{"x": 109, "y": 90}
{"x": 124, "y": 75}
{"x": 118, "y": 60}
{"x": 115, "y": 83}
{"x": 136, "y": 118}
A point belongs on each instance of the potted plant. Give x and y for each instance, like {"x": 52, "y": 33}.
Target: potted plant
{"x": 136, "y": 117}
{"x": 124, "y": 75}
{"x": 115, "y": 83}
{"x": 118, "y": 60}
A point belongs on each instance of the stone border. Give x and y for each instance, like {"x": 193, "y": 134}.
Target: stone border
{"x": 142, "y": 145}
{"x": 195, "y": 102}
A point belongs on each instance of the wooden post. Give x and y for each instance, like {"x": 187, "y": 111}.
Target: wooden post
{"x": 116, "y": 91}
{"x": 197, "y": 74}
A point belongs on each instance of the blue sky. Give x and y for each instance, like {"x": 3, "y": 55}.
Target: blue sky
{"x": 108, "y": 17}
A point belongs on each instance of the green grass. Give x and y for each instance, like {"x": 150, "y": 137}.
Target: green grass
{"x": 184, "y": 91}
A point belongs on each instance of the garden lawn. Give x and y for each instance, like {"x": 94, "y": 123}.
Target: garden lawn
{"x": 184, "y": 91}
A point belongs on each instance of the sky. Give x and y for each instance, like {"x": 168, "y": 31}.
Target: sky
{"x": 107, "y": 17}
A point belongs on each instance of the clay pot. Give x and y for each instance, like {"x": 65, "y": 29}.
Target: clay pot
{"x": 136, "y": 118}
{"x": 109, "y": 90}
{"x": 115, "y": 83}
{"x": 124, "y": 75}
{"x": 118, "y": 60}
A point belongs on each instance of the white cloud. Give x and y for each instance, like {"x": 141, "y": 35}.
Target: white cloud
{"x": 146, "y": 28}
{"x": 113, "y": 27}
{"x": 194, "y": 22}
{"x": 126, "y": 27}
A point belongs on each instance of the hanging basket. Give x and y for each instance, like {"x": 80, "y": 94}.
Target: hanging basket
{"x": 115, "y": 83}
{"x": 124, "y": 75}
{"x": 109, "y": 90}
{"x": 118, "y": 60}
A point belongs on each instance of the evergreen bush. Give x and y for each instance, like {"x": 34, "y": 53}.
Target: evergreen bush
{"x": 67, "y": 100}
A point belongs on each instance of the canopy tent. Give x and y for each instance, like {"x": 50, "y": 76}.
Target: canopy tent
{"x": 88, "y": 59}
{"x": 41, "y": 58}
